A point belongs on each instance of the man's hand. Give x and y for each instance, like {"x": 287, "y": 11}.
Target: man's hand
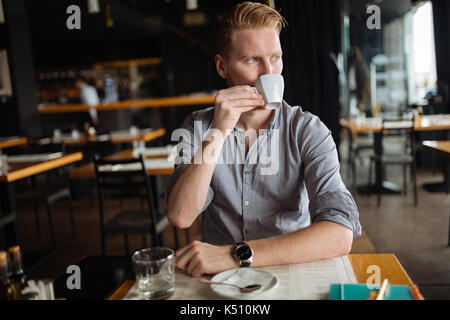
{"x": 231, "y": 103}
{"x": 198, "y": 258}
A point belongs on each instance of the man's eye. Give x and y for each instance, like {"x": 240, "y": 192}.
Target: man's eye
{"x": 275, "y": 58}
{"x": 251, "y": 60}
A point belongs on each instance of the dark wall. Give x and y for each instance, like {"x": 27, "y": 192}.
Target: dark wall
{"x": 310, "y": 75}
{"x": 19, "y": 114}
{"x": 141, "y": 29}
{"x": 441, "y": 15}
{"x": 55, "y": 45}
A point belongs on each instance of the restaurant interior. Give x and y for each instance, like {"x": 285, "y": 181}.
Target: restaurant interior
{"x": 376, "y": 74}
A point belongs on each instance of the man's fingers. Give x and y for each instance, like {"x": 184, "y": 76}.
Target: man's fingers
{"x": 182, "y": 250}
{"x": 193, "y": 265}
{"x": 245, "y": 103}
{"x": 236, "y": 90}
{"x": 184, "y": 255}
{"x": 238, "y": 95}
{"x": 183, "y": 260}
{"x": 235, "y": 93}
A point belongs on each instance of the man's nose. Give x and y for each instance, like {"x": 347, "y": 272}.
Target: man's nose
{"x": 267, "y": 68}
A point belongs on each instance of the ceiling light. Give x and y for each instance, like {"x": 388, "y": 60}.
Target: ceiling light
{"x": 93, "y": 6}
{"x": 191, "y": 4}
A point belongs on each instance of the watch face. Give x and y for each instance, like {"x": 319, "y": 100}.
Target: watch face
{"x": 243, "y": 252}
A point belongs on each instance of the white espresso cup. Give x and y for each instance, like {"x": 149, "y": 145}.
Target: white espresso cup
{"x": 271, "y": 87}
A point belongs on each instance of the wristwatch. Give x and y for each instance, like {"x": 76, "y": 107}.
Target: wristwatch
{"x": 243, "y": 253}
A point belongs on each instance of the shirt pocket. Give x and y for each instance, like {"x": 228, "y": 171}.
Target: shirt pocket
{"x": 226, "y": 185}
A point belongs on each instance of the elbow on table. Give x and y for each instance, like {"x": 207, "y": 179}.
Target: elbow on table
{"x": 346, "y": 242}
{"x": 177, "y": 219}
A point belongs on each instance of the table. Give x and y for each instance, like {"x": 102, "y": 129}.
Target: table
{"x": 374, "y": 125}
{"x": 7, "y": 142}
{"x": 442, "y": 148}
{"x": 17, "y": 171}
{"x": 421, "y": 123}
{"x": 87, "y": 171}
{"x": 117, "y": 137}
{"x": 144, "y": 135}
{"x": 200, "y": 99}
{"x": 389, "y": 266}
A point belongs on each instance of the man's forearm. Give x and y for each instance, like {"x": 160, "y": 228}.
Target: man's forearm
{"x": 188, "y": 195}
{"x": 321, "y": 240}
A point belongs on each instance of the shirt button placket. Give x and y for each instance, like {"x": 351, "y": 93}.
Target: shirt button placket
{"x": 246, "y": 202}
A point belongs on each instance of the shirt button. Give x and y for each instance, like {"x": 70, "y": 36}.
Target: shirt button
{"x": 246, "y": 203}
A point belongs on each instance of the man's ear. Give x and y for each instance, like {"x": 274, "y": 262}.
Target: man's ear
{"x": 220, "y": 66}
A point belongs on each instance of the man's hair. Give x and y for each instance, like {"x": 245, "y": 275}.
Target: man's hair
{"x": 247, "y": 15}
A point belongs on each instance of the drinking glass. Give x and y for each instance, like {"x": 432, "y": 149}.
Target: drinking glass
{"x": 155, "y": 273}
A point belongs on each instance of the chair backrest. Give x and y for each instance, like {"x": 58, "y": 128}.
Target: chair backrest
{"x": 399, "y": 126}
{"x": 128, "y": 176}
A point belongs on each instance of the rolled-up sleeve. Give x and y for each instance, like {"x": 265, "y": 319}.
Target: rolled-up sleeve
{"x": 187, "y": 145}
{"x": 329, "y": 198}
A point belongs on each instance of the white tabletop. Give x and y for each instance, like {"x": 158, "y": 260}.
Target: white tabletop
{"x": 304, "y": 281}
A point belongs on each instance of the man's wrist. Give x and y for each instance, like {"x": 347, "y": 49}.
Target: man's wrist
{"x": 223, "y": 132}
{"x": 212, "y": 147}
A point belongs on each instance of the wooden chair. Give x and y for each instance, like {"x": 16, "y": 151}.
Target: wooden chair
{"x": 129, "y": 178}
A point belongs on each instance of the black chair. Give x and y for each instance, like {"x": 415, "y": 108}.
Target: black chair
{"x": 130, "y": 182}
{"x": 49, "y": 194}
{"x": 50, "y": 191}
{"x": 356, "y": 146}
{"x": 405, "y": 157}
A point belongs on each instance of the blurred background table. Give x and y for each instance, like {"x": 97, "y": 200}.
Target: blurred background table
{"x": 7, "y": 142}
{"x": 442, "y": 148}
{"x": 9, "y": 214}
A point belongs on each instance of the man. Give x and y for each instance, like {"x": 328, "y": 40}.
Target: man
{"x": 89, "y": 96}
{"x": 303, "y": 212}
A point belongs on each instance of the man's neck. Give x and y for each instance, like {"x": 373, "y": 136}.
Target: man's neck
{"x": 256, "y": 119}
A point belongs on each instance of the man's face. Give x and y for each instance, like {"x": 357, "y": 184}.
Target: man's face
{"x": 78, "y": 84}
{"x": 253, "y": 52}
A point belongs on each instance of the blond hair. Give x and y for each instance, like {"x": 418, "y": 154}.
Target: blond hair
{"x": 247, "y": 15}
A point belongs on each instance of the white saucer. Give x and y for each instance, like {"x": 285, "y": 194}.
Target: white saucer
{"x": 243, "y": 277}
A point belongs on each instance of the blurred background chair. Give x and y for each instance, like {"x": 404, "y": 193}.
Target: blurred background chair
{"x": 54, "y": 188}
{"x": 401, "y": 153}
{"x": 128, "y": 178}
{"x": 358, "y": 144}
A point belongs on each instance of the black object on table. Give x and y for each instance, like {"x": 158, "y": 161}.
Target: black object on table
{"x": 100, "y": 277}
